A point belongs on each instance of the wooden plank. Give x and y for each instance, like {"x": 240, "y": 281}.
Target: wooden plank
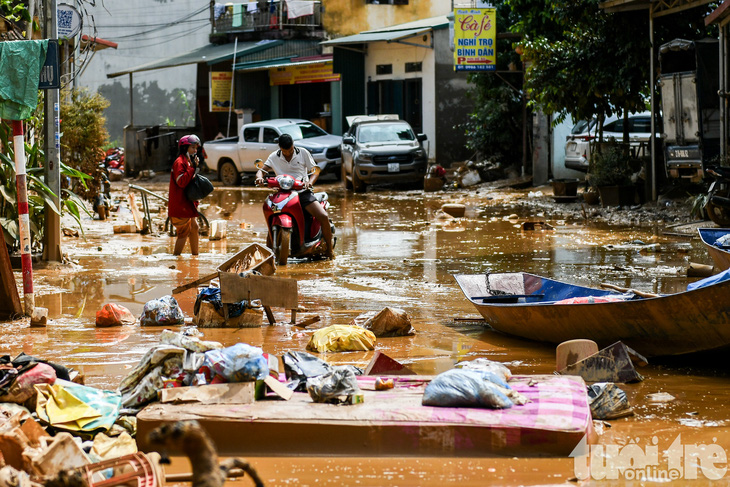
{"x": 138, "y": 220}
{"x": 276, "y": 292}
{"x": 194, "y": 283}
{"x": 233, "y": 393}
{"x": 9, "y": 297}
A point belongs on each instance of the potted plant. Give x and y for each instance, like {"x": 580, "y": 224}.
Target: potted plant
{"x": 610, "y": 172}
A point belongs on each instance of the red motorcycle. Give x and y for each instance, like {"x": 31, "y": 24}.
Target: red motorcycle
{"x": 292, "y": 231}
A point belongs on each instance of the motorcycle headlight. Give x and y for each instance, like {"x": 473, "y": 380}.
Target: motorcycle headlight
{"x": 286, "y": 182}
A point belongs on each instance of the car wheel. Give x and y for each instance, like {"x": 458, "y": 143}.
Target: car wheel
{"x": 228, "y": 174}
{"x": 343, "y": 176}
{"x": 357, "y": 184}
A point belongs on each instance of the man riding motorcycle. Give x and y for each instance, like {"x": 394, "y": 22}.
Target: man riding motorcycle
{"x": 297, "y": 162}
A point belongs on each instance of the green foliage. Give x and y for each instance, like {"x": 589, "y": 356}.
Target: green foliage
{"x": 84, "y": 134}
{"x": 494, "y": 128}
{"x": 609, "y": 166}
{"x": 14, "y": 11}
{"x": 585, "y": 62}
{"x": 39, "y": 194}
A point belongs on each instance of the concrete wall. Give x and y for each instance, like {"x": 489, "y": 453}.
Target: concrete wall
{"x": 452, "y": 104}
{"x": 347, "y": 17}
{"x": 398, "y": 55}
{"x": 559, "y": 132}
{"x": 146, "y": 30}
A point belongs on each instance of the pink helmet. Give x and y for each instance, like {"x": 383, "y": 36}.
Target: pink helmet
{"x": 188, "y": 140}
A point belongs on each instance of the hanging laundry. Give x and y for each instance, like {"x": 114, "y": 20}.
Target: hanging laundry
{"x": 299, "y": 8}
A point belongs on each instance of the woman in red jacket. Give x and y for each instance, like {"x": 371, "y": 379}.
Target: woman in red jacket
{"x": 183, "y": 213}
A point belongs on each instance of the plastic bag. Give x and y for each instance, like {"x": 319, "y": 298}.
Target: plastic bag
{"x": 213, "y": 296}
{"x": 341, "y": 338}
{"x": 464, "y": 388}
{"x": 164, "y": 311}
{"x": 23, "y": 387}
{"x": 388, "y": 322}
{"x": 300, "y": 366}
{"x": 238, "y": 363}
{"x": 333, "y": 387}
{"x": 487, "y": 365}
{"x": 608, "y": 401}
{"x": 114, "y": 315}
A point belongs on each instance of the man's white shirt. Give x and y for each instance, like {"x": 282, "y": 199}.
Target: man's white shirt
{"x": 299, "y": 167}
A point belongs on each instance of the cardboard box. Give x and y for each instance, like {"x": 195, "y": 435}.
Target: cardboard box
{"x": 208, "y": 317}
{"x": 231, "y": 393}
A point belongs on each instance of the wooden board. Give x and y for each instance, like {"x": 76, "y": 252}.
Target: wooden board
{"x": 393, "y": 423}
{"x": 195, "y": 283}
{"x": 277, "y": 292}
{"x": 139, "y": 222}
{"x": 235, "y": 393}
{"x": 9, "y": 297}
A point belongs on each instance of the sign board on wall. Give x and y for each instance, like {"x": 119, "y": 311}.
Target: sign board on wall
{"x": 305, "y": 73}
{"x": 68, "y": 21}
{"x": 220, "y": 90}
{"x": 49, "y": 71}
{"x": 475, "y": 32}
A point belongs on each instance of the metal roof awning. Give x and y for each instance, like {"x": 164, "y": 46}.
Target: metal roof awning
{"x": 210, "y": 54}
{"x": 277, "y": 63}
{"x": 366, "y": 37}
{"x": 395, "y": 33}
{"x": 657, "y": 8}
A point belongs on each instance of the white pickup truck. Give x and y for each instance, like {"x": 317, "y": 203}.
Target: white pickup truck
{"x": 233, "y": 158}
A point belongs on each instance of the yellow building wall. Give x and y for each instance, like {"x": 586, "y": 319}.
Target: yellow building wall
{"x": 348, "y": 17}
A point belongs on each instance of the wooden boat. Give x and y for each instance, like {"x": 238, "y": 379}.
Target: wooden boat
{"x": 720, "y": 256}
{"x": 529, "y": 306}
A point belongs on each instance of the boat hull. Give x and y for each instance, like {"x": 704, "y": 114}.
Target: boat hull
{"x": 674, "y": 324}
{"x": 720, "y": 257}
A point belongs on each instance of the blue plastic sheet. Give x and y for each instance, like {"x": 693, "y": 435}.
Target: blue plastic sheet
{"x": 238, "y": 363}
{"x": 709, "y": 281}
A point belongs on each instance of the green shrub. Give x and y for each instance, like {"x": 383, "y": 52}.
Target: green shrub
{"x": 38, "y": 193}
{"x": 609, "y": 166}
{"x": 84, "y": 135}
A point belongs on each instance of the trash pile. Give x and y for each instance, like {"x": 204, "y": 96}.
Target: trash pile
{"x": 51, "y": 425}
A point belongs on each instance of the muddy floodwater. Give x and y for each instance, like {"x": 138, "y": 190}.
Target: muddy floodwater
{"x": 394, "y": 248}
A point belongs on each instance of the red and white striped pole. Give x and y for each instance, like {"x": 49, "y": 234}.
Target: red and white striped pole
{"x": 23, "y": 220}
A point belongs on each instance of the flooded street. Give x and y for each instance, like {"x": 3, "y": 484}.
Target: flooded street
{"x": 394, "y": 248}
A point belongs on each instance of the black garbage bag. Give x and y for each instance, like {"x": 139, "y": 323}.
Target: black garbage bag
{"x": 299, "y": 366}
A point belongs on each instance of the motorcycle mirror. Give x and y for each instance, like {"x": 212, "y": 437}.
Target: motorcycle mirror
{"x": 316, "y": 170}
{"x": 259, "y": 164}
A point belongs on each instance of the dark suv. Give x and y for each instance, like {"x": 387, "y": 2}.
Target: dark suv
{"x": 382, "y": 151}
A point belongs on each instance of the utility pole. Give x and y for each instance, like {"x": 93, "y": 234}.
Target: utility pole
{"x": 52, "y": 169}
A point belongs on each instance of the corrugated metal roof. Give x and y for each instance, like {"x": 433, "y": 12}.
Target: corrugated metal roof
{"x": 210, "y": 54}
{"x": 393, "y": 33}
{"x": 276, "y": 63}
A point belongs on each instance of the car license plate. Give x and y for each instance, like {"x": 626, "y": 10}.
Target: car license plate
{"x": 393, "y": 167}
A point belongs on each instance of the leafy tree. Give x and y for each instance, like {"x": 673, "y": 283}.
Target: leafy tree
{"x": 494, "y": 129}
{"x": 84, "y": 135}
{"x": 582, "y": 61}
{"x": 585, "y": 62}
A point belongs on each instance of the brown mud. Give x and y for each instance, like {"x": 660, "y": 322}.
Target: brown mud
{"x": 394, "y": 248}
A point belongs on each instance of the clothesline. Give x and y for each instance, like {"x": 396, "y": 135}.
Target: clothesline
{"x": 295, "y": 8}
